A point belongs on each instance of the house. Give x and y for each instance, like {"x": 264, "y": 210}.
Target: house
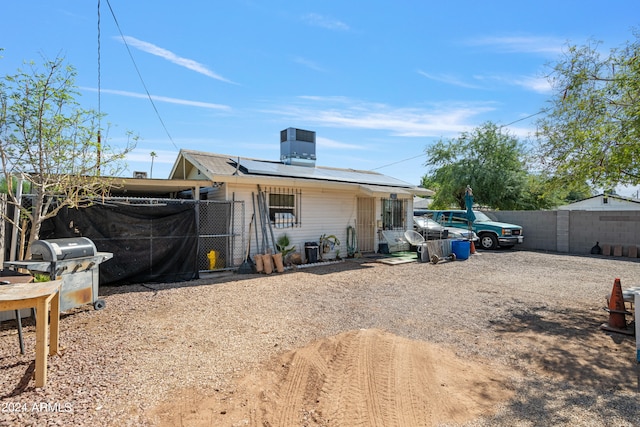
{"x": 421, "y": 202}
{"x": 603, "y": 202}
{"x": 302, "y": 199}
{"x": 162, "y": 242}
{"x": 202, "y": 218}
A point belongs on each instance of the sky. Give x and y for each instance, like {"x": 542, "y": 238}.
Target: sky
{"x": 378, "y": 81}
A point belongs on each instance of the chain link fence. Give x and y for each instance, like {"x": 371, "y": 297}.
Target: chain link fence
{"x": 221, "y": 237}
{"x": 220, "y": 228}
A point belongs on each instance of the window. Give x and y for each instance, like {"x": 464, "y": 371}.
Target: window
{"x": 284, "y": 207}
{"x": 458, "y": 220}
{"x": 393, "y": 214}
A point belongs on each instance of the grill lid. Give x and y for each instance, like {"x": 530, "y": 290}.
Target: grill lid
{"x": 59, "y": 249}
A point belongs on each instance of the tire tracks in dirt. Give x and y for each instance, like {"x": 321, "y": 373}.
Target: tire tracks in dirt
{"x": 365, "y": 377}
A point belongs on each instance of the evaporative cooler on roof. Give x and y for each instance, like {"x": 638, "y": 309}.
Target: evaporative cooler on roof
{"x": 298, "y": 147}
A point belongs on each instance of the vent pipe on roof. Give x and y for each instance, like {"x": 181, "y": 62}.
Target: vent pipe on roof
{"x": 298, "y": 147}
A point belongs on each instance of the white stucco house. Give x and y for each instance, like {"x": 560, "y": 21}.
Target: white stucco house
{"x": 603, "y": 202}
{"x": 304, "y": 200}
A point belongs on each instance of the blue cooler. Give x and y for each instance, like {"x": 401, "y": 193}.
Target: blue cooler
{"x": 461, "y": 248}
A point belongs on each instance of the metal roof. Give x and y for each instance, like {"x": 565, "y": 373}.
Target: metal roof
{"x": 256, "y": 167}
{"x": 219, "y": 167}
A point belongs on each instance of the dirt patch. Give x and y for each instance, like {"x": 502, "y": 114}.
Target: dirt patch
{"x": 307, "y": 348}
{"x": 362, "y": 377}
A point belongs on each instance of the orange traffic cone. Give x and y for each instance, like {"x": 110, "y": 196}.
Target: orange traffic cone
{"x": 617, "y": 311}
{"x": 472, "y": 248}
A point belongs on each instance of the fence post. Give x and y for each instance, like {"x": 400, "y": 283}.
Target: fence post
{"x": 16, "y": 221}
{"x": 3, "y": 215}
{"x": 562, "y": 231}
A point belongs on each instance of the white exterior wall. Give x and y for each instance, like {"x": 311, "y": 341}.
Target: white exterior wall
{"x": 196, "y": 174}
{"x": 325, "y": 213}
{"x": 409, "y": 215}
{"x": 322, "y": 212}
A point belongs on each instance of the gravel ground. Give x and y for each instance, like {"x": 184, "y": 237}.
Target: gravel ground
{"x": 536, "y": 315}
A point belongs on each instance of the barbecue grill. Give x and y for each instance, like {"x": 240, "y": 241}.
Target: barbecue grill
{"x": 75, "y": 261}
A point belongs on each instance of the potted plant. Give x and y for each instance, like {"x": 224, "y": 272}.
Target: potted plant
{"x": 283, "y": 245}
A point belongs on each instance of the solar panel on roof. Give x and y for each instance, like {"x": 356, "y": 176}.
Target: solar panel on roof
{"x": 338, "y": 175}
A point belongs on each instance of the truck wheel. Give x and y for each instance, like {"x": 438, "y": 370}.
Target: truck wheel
{"x": 488, "y": 241}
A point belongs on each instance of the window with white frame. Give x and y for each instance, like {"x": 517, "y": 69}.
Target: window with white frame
{"x": 284, "y": 207}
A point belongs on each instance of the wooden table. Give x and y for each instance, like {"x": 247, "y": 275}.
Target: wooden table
{"x": 45, "y": 298}
{"x": 5, "y": 276}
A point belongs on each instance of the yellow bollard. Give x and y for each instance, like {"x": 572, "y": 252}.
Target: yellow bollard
{"x": 212, "y": 255}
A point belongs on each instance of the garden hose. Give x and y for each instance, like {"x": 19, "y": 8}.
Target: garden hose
{"x": 352, "y": 242}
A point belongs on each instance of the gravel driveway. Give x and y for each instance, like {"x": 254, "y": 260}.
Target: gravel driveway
{"x": 533, "y": 316}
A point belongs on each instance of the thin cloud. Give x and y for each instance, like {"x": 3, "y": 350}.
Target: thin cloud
{"x": 521, "y": 44}
{"x": 330, "y": 143}
{"x": 172, "y": 57}
{"x": 406, "y": 122}
{"x": 166, "y": 99}
{"x": 535, "y": 84}
{"x": 448, "y": 79}
{"x": 325, "y": 22}
{"x": 308, "y": 63}
{"x": 162, "y": 156}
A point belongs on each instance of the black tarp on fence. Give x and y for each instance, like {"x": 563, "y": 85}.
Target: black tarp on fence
{"x": 150, "y": 242}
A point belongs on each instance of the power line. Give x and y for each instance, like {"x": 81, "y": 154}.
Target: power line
{"x": 424, "y": 154}
{"x": 399, "y": 161}
{"x": 140, "y": 76}
{"x": 99, "y": 160}
{"x": 525, "y": 118}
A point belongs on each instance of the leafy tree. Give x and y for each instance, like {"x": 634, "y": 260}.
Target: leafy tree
{"x": 4, "y": 188}
{"x": 592, "y": 130}
{"x": 541, "y": 193}
{"x": 488, "y": 159}
{"x": 577, "y": 192}
{"x": 52, "y": 143}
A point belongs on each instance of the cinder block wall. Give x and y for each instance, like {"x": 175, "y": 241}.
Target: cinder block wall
{"x": 607, "y": 227}
{"x": 575, "y": 231}
{"x": 539, "y": 227}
